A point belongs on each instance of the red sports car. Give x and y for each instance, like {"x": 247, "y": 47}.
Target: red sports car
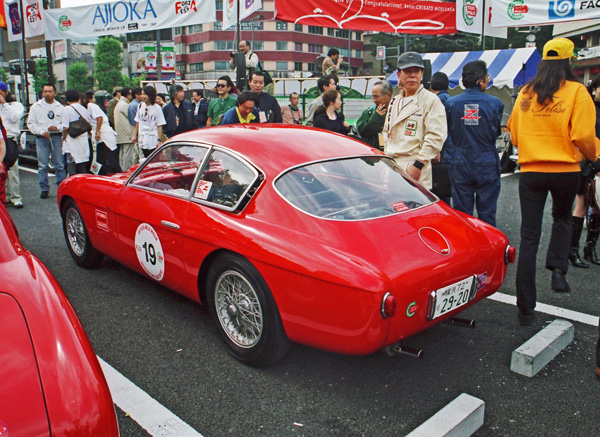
{"x": 287, "y": 234}
{"x": 50, "y": 379}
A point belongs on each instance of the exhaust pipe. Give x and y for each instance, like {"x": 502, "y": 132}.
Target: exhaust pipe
{"x": 396, "y": 348}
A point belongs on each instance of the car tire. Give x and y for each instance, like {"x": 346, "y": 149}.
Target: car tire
{"x": 77, "y": 238}
{"x": 245, "y": 312}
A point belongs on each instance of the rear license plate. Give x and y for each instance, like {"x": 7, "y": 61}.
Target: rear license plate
{"x": 453, "y": 296}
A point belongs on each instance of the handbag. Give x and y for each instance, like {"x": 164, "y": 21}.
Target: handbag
{"x": 79, "y": 126}
{"x": 12, "y": 153}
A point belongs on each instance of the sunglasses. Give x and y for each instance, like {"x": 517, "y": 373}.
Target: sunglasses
{"x": 221, "y": 85}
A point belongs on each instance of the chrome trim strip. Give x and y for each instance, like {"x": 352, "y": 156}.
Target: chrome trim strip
{"x": 170, "y": 225}
{"x": 383, "y": 304}
{"x": 443, "y": 253}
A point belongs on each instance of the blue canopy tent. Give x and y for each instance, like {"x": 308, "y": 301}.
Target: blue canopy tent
{"x": 509, "y": 68}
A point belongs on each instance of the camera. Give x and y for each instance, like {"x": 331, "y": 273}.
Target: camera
{"x": 232, "y": 55}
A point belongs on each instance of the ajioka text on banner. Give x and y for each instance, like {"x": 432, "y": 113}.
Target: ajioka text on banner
{"x": 124, "y": 16}
{"x": 395, "y": 16}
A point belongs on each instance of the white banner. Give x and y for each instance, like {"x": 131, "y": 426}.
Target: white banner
{"x": 468, "y": 18}
{"x": 14, "y": 24}
{"x": 516, "y": 13}
{"x": 126, "y": 16}
{"x": 34, "y": 24}
{"x": 230, "y": 10}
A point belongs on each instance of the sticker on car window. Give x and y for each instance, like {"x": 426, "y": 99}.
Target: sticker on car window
{"x": 202, "y": 190}
{"x": 400, "y": 206}
{"x": 149, "y": 251}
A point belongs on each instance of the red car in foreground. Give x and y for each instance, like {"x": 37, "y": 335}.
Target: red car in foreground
{"x": 287, "y": 234}
{"x": 50, "y": 380}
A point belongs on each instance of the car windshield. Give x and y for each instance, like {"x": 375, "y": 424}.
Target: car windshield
{"x": 352, "y": 189}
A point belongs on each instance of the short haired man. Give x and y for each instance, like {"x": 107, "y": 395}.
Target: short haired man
{"x": 129, "y": 153}
{"x": 136, "y": 99}
{"x": 45, "y": 122}
{"x": 219, "y": 106}
{"x": 331, "y": 64}
{"x": 179, "y": 114}
{"x": 110, "y": 107}
{"x": 370, "y": 123}
{"x": 244, "y": 112}
{"x": 200, "y": 109}
{"x": 324, "y": 83}
{"x": 292, "y": 113}
{"x": 268, "y": 109}
{"x": 474, "y": 120}
{"x": 250, "y": 56}
{"x": 415, "y": 125}
{"x": 11, "y": 113}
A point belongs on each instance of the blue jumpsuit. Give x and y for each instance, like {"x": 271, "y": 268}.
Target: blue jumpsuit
{"x": 474, "y": 120}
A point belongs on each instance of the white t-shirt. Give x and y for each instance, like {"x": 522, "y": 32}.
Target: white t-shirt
{"x": 11, "y": 114}
{"x": 107, "y": 135}
{"x": 77, "y": 147}
{"x": 148, "y": 119}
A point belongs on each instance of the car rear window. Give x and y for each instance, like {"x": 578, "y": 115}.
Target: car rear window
{"x": 352, "y": 189}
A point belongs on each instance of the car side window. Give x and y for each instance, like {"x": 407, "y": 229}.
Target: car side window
{"x": 224, "y": 180}
{"x": 172, "y": 170}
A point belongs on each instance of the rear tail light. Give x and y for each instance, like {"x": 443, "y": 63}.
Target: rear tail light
{"x": 510, "y": 255}
{"x": 388, "y": 306}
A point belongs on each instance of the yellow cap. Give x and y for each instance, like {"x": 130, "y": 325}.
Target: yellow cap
{"x": 558, "y": 48}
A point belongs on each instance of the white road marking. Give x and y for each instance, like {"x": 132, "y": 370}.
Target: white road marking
{"x": 146, "y": 411}
{"x": 31, "y": 170}
{"x": 550, "y": 309}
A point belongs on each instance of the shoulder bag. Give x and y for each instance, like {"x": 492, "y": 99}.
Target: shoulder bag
{"x": 79, "y": 127}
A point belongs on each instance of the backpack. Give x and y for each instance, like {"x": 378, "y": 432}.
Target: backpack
{"x": 319, "y": 65}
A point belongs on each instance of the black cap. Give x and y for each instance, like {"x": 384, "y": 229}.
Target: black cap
{"x": 410, "y": 59}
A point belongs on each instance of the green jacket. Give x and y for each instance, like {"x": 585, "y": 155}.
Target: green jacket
{"x": 369, "y": 126}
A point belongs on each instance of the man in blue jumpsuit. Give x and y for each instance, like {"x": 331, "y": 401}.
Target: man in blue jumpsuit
{"x": 474, "y": 124}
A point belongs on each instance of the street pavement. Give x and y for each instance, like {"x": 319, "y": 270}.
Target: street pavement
{"x": 168, "y": 347}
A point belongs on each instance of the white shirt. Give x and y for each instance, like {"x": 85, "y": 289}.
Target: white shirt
{"x": 11, "y": 114}
{"x": 107, "y": 135}
{"x": 43, "y": 115}
{"x": 77, "y": 147}
{"x": 148, "y": 119}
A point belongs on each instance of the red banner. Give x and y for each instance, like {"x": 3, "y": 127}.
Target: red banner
{"x": 2, "y": 16}
{"x": 394, "y": 16}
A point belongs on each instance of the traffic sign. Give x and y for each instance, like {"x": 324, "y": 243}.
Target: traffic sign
{"x": 380, "y": 53}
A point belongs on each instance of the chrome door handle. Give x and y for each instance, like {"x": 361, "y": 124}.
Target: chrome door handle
{"x": 169, "y": 224}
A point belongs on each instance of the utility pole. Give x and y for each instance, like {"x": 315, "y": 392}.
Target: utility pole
{"x": 49, "y": 60}
{"x": 158, "y": 57}
{"x": 25, "y": 83}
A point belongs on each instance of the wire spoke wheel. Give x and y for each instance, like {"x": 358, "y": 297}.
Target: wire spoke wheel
{"x": 75, "y": 232}
{"x": 238, "y": 309}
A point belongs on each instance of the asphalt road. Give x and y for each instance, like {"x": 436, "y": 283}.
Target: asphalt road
{"x": 168, "y": 346}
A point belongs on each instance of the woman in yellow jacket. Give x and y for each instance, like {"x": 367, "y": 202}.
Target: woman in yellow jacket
{"x": 552, "y": 124}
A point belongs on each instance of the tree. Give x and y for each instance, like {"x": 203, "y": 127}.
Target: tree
{"x": 3, "y": 75}
{"x": 108, "y": 63}
{"x": 78, "y": 77}
{"x": 40, "y": 77}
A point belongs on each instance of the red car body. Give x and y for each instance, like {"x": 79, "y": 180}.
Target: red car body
{"x": 329, "y": 279}
{"x": 51, "y": 381}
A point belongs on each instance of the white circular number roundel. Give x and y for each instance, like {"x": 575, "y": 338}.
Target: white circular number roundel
{"x": 149, "y": 251}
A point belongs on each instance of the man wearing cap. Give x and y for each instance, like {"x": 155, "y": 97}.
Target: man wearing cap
{"x": 415, "y": 125}
{"x": 474, "y": 120}
{"x": 45, "y": 122}
{"x": 110, "y": 108}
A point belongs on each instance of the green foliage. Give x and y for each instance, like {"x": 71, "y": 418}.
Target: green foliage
{"x": 108, "y": 63}
{"x": 3, "y": 75}
{"x": 78, "y": 77}
{"x": 41, "y": 77}
{"x": 133, "y": 81}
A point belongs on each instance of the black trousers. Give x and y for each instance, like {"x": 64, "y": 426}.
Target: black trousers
{"x": 108, "y": 158}
{"x": 533, "y": 191}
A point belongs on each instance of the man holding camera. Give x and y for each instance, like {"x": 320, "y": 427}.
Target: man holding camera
{"x": 292, "y": 113}
{"x": 251, "y": 57}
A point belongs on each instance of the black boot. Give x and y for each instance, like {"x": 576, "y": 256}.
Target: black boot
{"x": 559, "y": 282}
{"x": 575, "y": 236}
{"x": 589, "y": 250}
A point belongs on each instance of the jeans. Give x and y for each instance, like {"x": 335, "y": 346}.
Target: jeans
{"x": 45, "y": 150}
{"x": 533, "y": 190}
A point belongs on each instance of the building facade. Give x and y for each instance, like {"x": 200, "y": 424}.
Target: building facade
{"x": 285, "y": 49}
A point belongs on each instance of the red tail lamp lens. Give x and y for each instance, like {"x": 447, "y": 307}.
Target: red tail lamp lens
{"x": 510, "y": 255}
{"x": 388, "y": 306}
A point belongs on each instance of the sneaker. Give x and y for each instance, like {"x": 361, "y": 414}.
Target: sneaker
{"x": 18, "y": 205}
{"x": 44, "y": 195}
{"x": 526, "y": 318}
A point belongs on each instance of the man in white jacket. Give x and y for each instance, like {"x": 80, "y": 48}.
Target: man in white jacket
{"x": 44, "y": 121}
{"x": 11, "y": 112}
{"x": 415, "y": 126}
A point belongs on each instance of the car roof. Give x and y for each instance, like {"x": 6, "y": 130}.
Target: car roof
{"x": 276, "y": 147}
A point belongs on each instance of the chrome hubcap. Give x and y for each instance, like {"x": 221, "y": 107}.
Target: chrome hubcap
{"x": 75, "y": 232}
{"x": 238, "y": 309}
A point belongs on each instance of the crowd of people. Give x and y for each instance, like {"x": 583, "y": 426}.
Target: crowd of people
{"x": 555, "y": 124}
